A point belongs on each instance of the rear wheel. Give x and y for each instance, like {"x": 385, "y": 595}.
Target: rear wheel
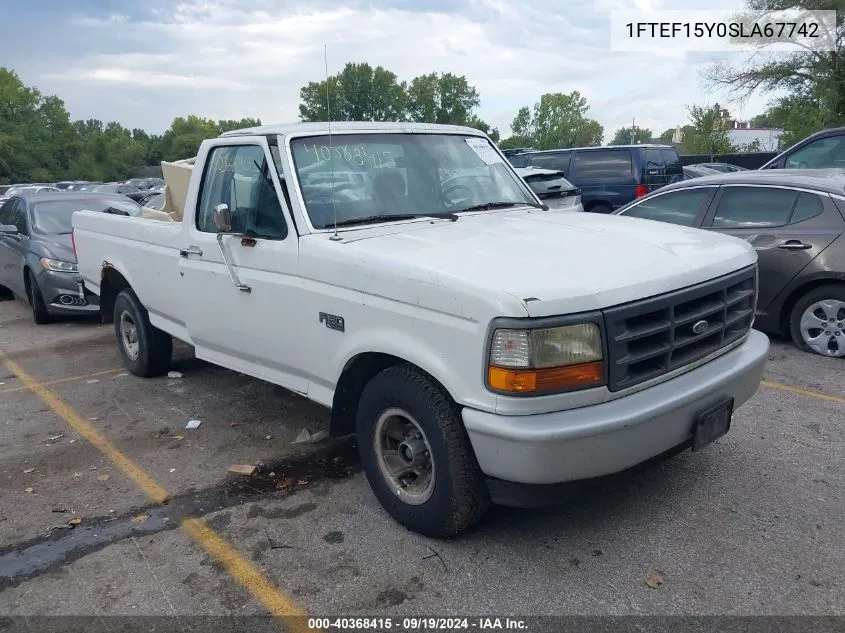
{"x": 417, "y": 456}
{"x": 817, "y": 321}
{"x": 600, "y": 207}
{"x": 36, "y": 301}
{"x": 146, "y": 350}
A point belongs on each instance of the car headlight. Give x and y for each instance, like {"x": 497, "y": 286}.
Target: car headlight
{"x": 58, "y": 266}
{"x": 546, "y": 360}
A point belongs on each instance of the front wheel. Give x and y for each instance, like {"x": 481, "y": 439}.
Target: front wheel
{"x": 36, "y": 300}
{"x": 817, "y": 321}
{"x": 417, "y": 456}
{"x": 146, "y": 350}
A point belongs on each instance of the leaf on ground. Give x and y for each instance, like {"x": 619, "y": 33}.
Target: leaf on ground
{"x": 141, "y": 518}
{"x": 75, "y": 521}
{"x": 29, "y": 489}
{"x": 242, "y": 469}
{"x": 177, "y": 437}
{"x": 104, "y": 477}
{"x": 284, "y": 482}
{"x": 654, "y": 581}
{"x": 29, "y": 470}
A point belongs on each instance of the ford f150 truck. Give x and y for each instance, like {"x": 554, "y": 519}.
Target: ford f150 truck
{"x": 481, "y": 346}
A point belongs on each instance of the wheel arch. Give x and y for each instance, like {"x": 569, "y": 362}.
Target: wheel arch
{"x": 112, "y": 282}
{"x": 357, "y": 373}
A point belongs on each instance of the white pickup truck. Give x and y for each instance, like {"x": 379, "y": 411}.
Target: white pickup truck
{"x": 481, "y": 346}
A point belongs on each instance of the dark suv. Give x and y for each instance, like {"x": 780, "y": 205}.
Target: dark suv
{"x": 609, "y": 177}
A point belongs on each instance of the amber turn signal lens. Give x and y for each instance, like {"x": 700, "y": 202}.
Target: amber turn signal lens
{"x": 546, "y": 380}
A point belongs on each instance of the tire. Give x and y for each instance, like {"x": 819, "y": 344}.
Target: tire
{"x": 457, "y": 497}
{"x": 39, "y": 309}
{"x": 832, "y": 344}
{"x": 601, "y": 207}
{"x": 152, "y": 349}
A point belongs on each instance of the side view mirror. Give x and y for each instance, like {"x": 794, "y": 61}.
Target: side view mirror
{"x": 223, "y": 218}
{"x": 8, "y": 229}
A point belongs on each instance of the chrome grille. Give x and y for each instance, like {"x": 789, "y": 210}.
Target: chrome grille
{"x": 654, "y": 336}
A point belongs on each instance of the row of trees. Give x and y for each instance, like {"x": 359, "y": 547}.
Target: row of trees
{"x": 363, "y": 93}
{"x": 40, "y": 143}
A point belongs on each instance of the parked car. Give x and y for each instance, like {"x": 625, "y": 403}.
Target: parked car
{"x": 697, "y": 171}
{"x": 822, "y": 150}
{"x": 479, "y": 351}
{"x": 610, "y": 177}
{"x": 15, "y": 190}
{"x": 36, "y": 255}
{"x": 725, "y": 168}
{"x": 145, "y": 183}
{"x": 4, "y": 189}
{"x": 154, "y": 199}
{"x": 133, "y": 193}
{"x": 552, "y": 188}
{"x": 796, "y": 221}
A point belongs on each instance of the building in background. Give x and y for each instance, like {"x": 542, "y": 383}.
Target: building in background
{"x": 754, "y": 139}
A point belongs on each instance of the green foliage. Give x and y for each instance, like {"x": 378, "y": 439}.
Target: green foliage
{"x": 623, "y": 136}
{"x": 798, "y": 115}
{"x": 362, "y": 93}
{"x": 558, "y": 120}
{"x": 40, "y": 143}
{"x": 814, "y": 82}
{"x": 708, "y": 132}
{"x": 667, "y": 135}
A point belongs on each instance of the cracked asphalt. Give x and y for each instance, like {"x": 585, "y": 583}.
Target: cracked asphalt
{"x": 751, "y": 526}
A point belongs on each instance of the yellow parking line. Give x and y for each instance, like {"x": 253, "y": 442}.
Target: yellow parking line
{"x": 59, "y": 381}
{"x": 244, "y": 572}
{"x": 802, "y": 392}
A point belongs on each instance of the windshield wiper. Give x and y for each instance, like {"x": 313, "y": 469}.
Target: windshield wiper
{"x": 501, "y": 205}
{"x": 373, "y": 219}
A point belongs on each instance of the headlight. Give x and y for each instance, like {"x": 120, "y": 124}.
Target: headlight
{"x": 58, "y": 266}
{"x": 537, "y": 361}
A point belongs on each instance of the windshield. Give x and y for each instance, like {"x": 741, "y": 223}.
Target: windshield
{"x": 370, "y": 175}
{"x": 54, "y": 217}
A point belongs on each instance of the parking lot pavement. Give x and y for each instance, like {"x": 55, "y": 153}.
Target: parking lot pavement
{"x": 751, "y": 525}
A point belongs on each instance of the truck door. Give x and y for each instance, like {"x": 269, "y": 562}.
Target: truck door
{"x": 240, "y": 286}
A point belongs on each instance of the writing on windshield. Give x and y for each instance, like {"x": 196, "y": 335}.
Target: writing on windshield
{"x": 357, "y": 176}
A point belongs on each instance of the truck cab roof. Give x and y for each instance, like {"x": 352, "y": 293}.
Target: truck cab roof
{"x": 341, "y": 127}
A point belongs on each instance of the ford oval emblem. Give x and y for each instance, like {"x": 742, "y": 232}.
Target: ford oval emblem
{"x": 699, "y": 327}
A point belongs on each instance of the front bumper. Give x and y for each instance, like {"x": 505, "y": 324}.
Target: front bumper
{"x": 61, "y": 294}
{"x": 607, "y": 438}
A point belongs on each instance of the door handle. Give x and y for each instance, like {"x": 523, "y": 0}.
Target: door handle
{"x": 794, "y": 245}
{"x": 191, "y": 250}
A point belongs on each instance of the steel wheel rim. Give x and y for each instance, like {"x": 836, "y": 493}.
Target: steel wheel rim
{"x": 404, "y": 456}
{"x": 129, "y": 335}
{"x": 823, "y": 327}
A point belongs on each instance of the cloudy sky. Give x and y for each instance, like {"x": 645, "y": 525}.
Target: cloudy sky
{"x": 142, "y": 63}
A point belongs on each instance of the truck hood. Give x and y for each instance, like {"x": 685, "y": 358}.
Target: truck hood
{"x": 553, "y": 263}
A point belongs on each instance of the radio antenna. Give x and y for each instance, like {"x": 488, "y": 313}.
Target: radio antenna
{"x": 334, "y": 237}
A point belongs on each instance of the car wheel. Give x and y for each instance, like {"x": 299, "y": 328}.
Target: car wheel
{"x": 817, "y": 321}
{"x": 36, "y": 300}
{"x": 417, "y": 456}
{"x": 6, "y": 294}
{"x": 146, "y": 350}
{"x": 600, "y": 208}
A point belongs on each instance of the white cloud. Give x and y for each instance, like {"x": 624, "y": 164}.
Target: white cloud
{"x": 231, "y": 59}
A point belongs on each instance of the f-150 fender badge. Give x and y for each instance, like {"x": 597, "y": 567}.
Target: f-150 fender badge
{"x": 333, "y": 322}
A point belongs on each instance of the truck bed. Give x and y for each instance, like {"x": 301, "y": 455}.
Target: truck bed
{"x": 146, "y": 251}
